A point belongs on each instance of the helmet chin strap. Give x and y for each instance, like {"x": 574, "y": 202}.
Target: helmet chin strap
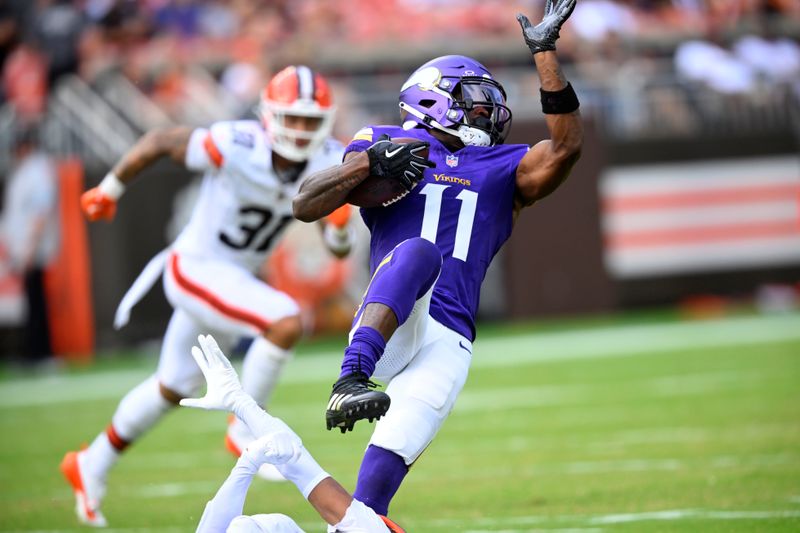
{"x": 468, "y": 135}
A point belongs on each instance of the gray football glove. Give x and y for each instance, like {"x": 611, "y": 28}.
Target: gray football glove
{"x": 543, "y": 36}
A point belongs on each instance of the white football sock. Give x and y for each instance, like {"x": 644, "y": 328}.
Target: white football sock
{"x": 101, "y": 456}
{"x": 138, "y": 411}
{"x": 262, "y": 367}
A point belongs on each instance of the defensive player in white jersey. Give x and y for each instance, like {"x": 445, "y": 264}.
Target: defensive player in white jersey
{"x": 276, "y": 444}
{"x": 252, "y": 171}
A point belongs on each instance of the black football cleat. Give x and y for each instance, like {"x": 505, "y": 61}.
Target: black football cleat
{"x": 353, "y": 399}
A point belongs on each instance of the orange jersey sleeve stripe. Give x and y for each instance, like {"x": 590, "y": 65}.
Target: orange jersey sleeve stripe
{"x": 213, "y": 151}
{"x": 225, "y": 308}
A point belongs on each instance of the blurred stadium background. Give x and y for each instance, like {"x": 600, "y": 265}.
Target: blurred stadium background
{"x": 677, "y": 235}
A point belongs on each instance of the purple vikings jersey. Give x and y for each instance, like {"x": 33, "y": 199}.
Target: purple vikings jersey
{"x": 465, "y": 206}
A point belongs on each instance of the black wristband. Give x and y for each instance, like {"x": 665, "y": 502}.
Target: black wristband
{"x": 559, "y": 102}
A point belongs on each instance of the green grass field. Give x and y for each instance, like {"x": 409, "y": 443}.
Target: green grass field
{"x": 648, "y": 425}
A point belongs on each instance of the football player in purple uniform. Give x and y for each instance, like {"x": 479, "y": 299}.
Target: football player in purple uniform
{"x": 430, "y": 250}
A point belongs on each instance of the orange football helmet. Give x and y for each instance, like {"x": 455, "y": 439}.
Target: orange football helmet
{"x": 297, "y": 91}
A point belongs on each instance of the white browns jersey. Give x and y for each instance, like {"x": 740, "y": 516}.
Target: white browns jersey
{"x": 243, "y": 206}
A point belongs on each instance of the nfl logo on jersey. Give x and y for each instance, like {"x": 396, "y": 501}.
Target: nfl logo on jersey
{"x": 451, "y": 160}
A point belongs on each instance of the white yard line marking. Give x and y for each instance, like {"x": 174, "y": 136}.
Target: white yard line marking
{"x": 619, "y": 518}
{"x": 166, "y": 490}
{"x": 580, "y": 468}
{"x": 148, "y": 529}
{"x": 548, "y": 530}
{"x": 683, "y": 514}
{"x": 158, "y": 460}
{"x": 69, "y": 387}
{"x": 651, "y": 339}
{"x": 512, "y": 350}
{"x": 505, "y": 522}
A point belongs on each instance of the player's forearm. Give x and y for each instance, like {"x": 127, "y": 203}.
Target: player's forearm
{"x": 327, "y": 190}
{"x": 151, "y": 147}
{"x": 228, "y": 503}
{"x": 305, "y": 472}
{"x": 566, "y": 129}
{"x": 258, "y": 421}
{"x": 550, "y": 75}
{"x": 549, "y": 162}
{"x": 330, "y": 500}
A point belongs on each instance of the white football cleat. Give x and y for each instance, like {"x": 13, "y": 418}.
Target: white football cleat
{"x": 88, "y": 491}
{"x": 237, "y": 438}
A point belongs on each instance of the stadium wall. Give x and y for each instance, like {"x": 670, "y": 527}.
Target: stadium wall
{"x": 561, "y": 259}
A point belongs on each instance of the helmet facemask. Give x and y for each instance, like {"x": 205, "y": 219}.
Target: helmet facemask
{"x": 457, "y": 95}
{"x": 479, "y": 106}
{"x": 293, "y": 143}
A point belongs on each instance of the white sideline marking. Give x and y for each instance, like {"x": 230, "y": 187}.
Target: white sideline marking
{"x": 513, "y": 350}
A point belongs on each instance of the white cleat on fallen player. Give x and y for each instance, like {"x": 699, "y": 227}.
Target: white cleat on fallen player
{"x": 88, "y": 491}
{"x": 237, "y": 438}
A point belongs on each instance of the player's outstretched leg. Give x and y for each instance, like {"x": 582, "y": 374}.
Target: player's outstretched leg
{"x": 87, "y": 470}
{"x": 406, "y": 274}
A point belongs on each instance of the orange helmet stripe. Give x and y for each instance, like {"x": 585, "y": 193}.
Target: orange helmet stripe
{"x": 298, "y": 83}
{"x": 284, "y": 86}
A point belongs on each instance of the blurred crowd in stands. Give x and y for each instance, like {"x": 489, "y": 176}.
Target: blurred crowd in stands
{"x": 156, "y": 43}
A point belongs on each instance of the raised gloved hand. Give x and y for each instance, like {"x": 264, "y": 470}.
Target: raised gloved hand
{"x": 543, "y": 36}
{"x": 401, "y": 162}
{"x": 101, "y": 202}
{"x": 96, "y": 205}
{"x": 223, "y": 389}
{"x": 224, "y": 393}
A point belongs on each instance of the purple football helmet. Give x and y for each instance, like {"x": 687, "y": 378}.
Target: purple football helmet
{"x": 457, "y": 95}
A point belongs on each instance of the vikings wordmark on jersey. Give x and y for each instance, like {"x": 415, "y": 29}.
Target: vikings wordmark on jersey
{"x": 464, "y": 206}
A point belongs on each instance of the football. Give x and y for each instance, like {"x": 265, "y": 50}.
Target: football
{"x": 375, "y": 191}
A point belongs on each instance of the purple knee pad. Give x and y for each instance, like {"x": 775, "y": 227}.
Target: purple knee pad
{"x": 398, "y": 283}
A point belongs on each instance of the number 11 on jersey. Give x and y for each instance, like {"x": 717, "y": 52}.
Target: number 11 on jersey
{"x": 466, "y": 216}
